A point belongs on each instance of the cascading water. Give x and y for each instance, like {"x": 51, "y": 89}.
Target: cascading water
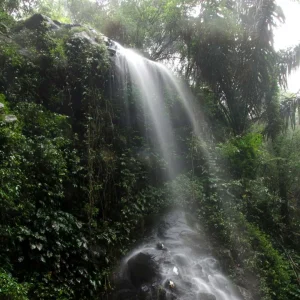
{"x": 173, "y": 262}
{"x": 179, "y": 266}
{"x": 146, "y": 76}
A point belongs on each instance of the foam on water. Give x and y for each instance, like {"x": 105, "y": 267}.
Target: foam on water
{"x": 183, "y": 262}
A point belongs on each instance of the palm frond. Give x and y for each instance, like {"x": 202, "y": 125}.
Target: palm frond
{"x": 288, "y": 60}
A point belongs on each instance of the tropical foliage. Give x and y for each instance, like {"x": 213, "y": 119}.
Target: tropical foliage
{"x": 78, "y": 179}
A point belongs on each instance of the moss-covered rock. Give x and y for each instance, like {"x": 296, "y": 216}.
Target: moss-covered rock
{"x": 71, "y": 192}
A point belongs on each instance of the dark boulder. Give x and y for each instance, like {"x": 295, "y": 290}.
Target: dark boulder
{"x": 160, "y": 246}
{"x": 125, "y": 294}
{"x": 142, "y": 269}
{"x": 38, "y": 21}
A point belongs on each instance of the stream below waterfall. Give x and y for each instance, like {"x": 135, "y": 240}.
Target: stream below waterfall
{"x": 175, "y": 261}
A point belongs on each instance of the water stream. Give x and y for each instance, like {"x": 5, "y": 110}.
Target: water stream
{"x": 175, "y": 261}
{"x": 148, "y": 79}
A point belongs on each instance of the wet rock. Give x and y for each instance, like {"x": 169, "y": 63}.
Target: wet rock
{"x": 86, "y": 37}
{"x": 162, "y": 228}
{"x": 212, "y": 263}
{"x": 247, "y": 281}
{"x": 245, "y": 293}
{"x": 199, "y": 272}
{"x": 162, "y": 294}
{"x": 160, "y": 246}
{"x": 226, "y": 258}
{"x": 142, "y": 269}
{"x": 206, "y": 296}
{"x": 39, "y": 20}
{"x": 145, "y": 289}
{"x": 171, "y": 284}
{"x": 188, "y": 284}
{"x": 123, "y": 283}
{"x": 158, "y": 292}
{"x": 179, "y": 273}
{"x": 198, "y": 268}
{"x": 220, "y": 282}
{"x": 125, "y": 295}
{"x": 145, "y": 293}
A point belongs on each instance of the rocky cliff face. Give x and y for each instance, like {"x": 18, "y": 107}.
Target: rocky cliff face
{"x": 50, "y": 63}
{"x": 74, "y": 181}
{"x": 78, "y": 174}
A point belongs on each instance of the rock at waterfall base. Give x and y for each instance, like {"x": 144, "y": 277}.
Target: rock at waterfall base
{"x": 142, "y": 269}
{"x": 245, "y": 293}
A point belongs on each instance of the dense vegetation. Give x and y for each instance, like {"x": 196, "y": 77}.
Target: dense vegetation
{"x": 78, "y": 181}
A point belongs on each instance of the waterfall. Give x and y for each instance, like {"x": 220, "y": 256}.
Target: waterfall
{"x": 173, "y": 262}
{"x": 151, "y": 80}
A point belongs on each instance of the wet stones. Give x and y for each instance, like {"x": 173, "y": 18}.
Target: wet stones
{"x": 162, "y": 294}
{"x": 142, "y": 269}
{"x": 172, "y": 288}
{"x": 179, "y": 272}
{"x": 212, "y": 263}
{"x": 171, "y": 284}
{"x": 38, "y": 20}
{"x": 162, "y": 228}
{"x": 245, "y": 293}
{"x": 160, "y": 246}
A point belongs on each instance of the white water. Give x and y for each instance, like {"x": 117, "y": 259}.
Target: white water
{"x": 186, "y": 260}
{"x": 192, "y": 270}
{"x": 147, "y": 78}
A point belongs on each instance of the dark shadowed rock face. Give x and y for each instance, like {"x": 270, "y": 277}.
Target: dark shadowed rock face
{"x": 39, "y": 20}
{"x": 172, "y": 264}
{"x": 142, "y": 268}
